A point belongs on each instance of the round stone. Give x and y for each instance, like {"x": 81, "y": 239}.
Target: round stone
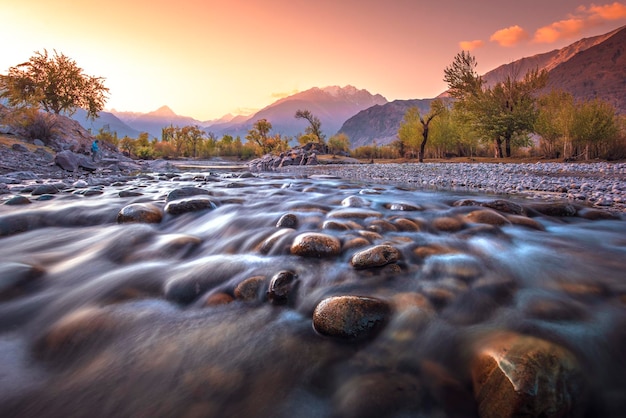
{"x": 141, "y": 213}
{"x": 376, "y": 256}
{"x": 192, "y": 204}
{"x": 281, "y": 287}
{"x": 184, "y": 192}
{"x": 288, "y": 220}
{"x": 249, "y": 289}
{"x": 18, "y": 200}
{"x": 350, "y": 317}
{"x": 517, "y": 375}
{"x": 313, "y": 244}
{"x": 487, "y": 216}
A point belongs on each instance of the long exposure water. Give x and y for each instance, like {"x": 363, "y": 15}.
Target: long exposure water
{"x": 221, "y": 295}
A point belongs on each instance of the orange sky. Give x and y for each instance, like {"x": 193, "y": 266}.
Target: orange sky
{"x": 208, "y": 58}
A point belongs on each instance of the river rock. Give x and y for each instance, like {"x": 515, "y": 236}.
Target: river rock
{"x": 377, "y": 256}
{"x": 487, "y": 216}
{"x": 250, "y": 289}
{"x": 557, "y": 209}
{"x": 282, "y": 286}
{"x": 19, "y": 147}
{"x": 18, "y": 200}
{"x": 350, "y": 317}
{"x": 313, "y": 244}
{"x": 45, "y": 189}
{"x": 140, "y": 212}
{"x": 288, "y": 220}
{"x": 183, "y": 192}
{"x": 67, "y": 160}
{"x": 523, "y": 376}
{"x": 192, "y": 204}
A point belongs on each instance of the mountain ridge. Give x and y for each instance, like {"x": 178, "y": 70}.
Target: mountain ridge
{"x": 588, "y": 68}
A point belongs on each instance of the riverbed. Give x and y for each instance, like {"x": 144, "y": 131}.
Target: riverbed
{"x": 229, "y": 293}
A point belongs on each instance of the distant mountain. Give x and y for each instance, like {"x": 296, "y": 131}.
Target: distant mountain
{"x": 547, "y": 61}
{"x": 597, "y": 72}
{"x": 105, "y": 120}
{"x": 155, "y": 121}
{"x": 332, "y": 105}
{"x": 380, "y": 123}
{"x": 589, "y": 68}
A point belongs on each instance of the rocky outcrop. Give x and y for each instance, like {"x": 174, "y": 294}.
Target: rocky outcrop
{"x": 305, "y": 155}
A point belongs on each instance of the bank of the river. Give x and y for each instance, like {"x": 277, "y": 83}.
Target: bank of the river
{"x": 599, "y": 184}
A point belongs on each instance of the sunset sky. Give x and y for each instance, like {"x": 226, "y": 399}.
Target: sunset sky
{"x": 206, "y": 58}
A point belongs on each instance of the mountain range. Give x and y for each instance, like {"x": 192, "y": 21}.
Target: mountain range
{"x": 588, "y": 68}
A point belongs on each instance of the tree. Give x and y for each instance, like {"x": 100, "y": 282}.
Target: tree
{"x": 462, "y": 79}
{"x": 415, "y": 125}
{"x": 554, "y": 123}
{"x": 504, "y": 113}
{"x": 55, "y": 83}
{"x": 595, "y": 122}
{"x": 315, "y": 126}
{"x": 259, "y": 134}
{"x": 339, "y": 143}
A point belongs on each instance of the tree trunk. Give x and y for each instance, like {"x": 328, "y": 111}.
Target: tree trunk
{"x": 423, "y": 144}
{"x": 498, "y": 146}
{"x": 507, "y": 142}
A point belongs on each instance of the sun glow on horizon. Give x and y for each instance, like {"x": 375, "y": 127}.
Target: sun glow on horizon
{"x": 208, "y": 59}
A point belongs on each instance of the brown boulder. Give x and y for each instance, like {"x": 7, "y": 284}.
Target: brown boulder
{"x": 350, "y": 317}
{"x": 522, "y": 376}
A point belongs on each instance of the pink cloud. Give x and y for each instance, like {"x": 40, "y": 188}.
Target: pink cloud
{"x": 510, "y": 36}
{"x": 562, "y": 29}
{"x": 613, "y": 11}
{"x": 585, "y": 17}
{"x": 471, "y": 45}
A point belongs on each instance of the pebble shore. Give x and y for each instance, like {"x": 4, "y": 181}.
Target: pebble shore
{"x": 601, "y": 185}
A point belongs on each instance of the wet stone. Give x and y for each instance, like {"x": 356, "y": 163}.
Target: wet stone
{"x": 217, "y": 299}
{"x": 487, "y": 216}
{"x": 350, "y": 317}
{"x": 282, "y": 287}
{"x": 403, "y": 207}
{"x": 184, "y": 192}
{"x": 335, "y": 226}
{"x": 141, "y": 213}
{"x": 526, "y": 222}
{"x": 381, "y": 225}
{"x": 403, "y": 224}
{"x": 379, "y": 394}
{"x": 186, "y": 205}
{"x": 557, "y": 209}
{"x": 523, "y": 376}
{"x": 355, "y": 202}
{"x": 250, "y": 289}
{"x": 18, "y": 200}
{"x": 130, "y": 193}
{"x": 377, "y": 256}
{"x": 448, "y": 224}
{"x": 313, "y": 244}
{"x": 461, "y": 266}
{"x": 288, "y": 220}
{"x": 354, "y": 213}
{"x": 45, "y": 189}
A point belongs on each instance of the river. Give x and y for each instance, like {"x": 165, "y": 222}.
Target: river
{"x": 278, "y": 295}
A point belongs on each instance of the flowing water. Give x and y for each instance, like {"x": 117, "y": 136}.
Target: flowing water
{"x": 208, "y": 309}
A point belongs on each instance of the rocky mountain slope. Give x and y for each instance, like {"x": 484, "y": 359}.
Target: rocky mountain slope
{"x": 592, "y": 67}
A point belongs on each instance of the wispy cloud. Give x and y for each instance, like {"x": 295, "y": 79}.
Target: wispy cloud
{"x": 282, "y": 95}
{"x": 510, "y": 36}
{"x": 471, "y": 45}
{"x": 583, "y": 18}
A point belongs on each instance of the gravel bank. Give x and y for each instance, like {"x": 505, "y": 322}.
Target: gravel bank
{"x": 601, "y": 185}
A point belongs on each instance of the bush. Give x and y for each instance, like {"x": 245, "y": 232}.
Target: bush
{"x": 34, "y": 124}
